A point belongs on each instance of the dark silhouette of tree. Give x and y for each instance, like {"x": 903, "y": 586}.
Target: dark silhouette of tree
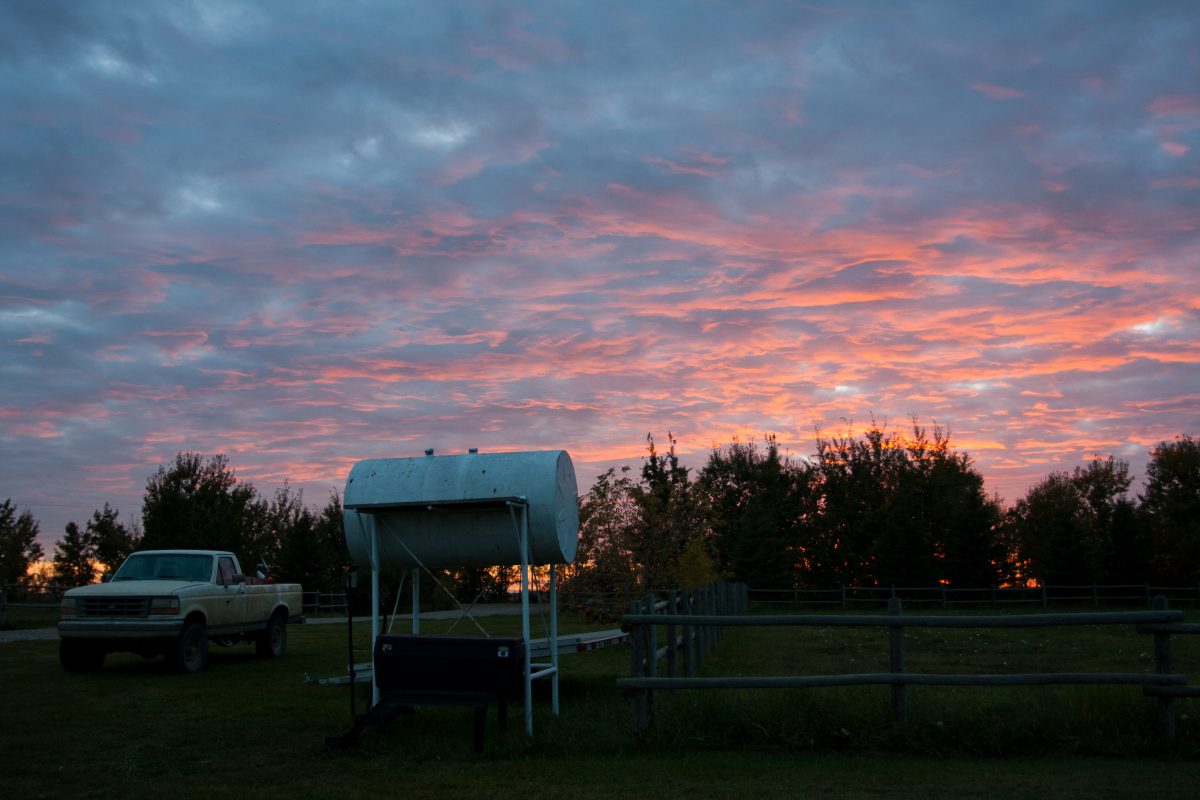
{"x": 19, "y": 547}
{"x": 1170, "y": 509}
{"x": 110, "y": 541}
{"x": 853, "y": 486}
{"x": 949, "y": 502}
{"x": 1071, "y": 527}
{"x": 73, "y": 556}
{"x": 312, "y": 546}
{"x": 1047, "y": 525}
{"x": 609, "y": 520}
{"x": 670, "y": 517}
{"x": 753, "y": 510}
{"x": 198, "y": 502}
{"x": 893, "y": 509}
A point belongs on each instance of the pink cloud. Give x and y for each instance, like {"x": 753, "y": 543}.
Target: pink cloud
{"x": 997, "y": 92}
{"x": 1175, "y": 106}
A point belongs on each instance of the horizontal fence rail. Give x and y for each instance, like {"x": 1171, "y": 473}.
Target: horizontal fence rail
{"x": 1096, "y": 595}
{"x": 1161, "y": 623}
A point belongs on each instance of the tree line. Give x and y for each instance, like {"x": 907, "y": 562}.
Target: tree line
{"x": 194, "y": 502}
{"x": 884, "y": 508}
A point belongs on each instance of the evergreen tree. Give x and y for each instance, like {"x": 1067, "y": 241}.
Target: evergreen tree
{"x": 19, "y": 547}
{"x": 200, "y": 503}
{"x": 312, "y": 547}
{"x": 73, "y": 556}
{"x": 110, "y": 541}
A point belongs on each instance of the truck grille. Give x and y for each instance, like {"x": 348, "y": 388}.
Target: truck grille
{"x": 114, "y": 607}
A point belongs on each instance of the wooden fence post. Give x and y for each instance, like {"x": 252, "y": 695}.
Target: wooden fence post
{"x": 709, "y": 633}
{"x": 672, "y": 641}
{"x": 651, "y": 643}
{"x": 689, "y": 635}
{"x": 641, "y": 705}
{"x": 1162, "y": 665}
{"x": 896, "y": 652}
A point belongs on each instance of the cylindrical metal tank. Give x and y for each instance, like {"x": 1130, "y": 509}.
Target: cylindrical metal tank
{"x": 448, "y": 511}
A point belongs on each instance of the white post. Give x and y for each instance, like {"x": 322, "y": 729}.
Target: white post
{"x": 374, "y": 609}
{"x": 416, "y": 597}
{"x": 525, "y": 618}
{"x": 554, "y": 640}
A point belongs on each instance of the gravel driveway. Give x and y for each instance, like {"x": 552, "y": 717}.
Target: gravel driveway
{"x": 30, "y": 635}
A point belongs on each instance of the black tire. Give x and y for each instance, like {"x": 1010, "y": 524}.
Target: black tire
{"x": 189, "y": 653}
{"x": 79, "y": 656}
{"x": 271, "y": 642}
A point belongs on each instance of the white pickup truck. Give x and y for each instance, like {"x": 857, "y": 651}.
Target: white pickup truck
{"x": 170, "y": 603}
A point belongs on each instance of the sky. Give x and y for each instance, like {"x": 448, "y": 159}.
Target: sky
{"x": 303, "y": 234}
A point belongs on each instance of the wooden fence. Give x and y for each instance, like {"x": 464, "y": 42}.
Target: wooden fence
{"x": 688, "y": 639}
{"x": 1161, "y": 623}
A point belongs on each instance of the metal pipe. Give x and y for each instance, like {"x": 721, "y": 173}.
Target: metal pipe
{"x": 553, "y": 640}
{"x": 416, "y": 601}
{"x": 525, "y": 620}
{"x": 374, "y": 611}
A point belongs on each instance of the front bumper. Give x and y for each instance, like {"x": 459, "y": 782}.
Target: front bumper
{"x": 119, "y": 628}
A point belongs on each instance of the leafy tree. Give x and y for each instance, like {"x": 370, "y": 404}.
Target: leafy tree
{"x": 947, "y": 498}
{"x": 110, "y": 541}
{"x": 752, "y": 510}
{"x": 609, "y": 521}
{"x": 670, "y": 517}
{"x": 696, "y": 566}
{"x": 199, "y": 503}
{"x": 852, "y": 482}
{"x": 1170, "y": 508}
{"x": 19, "y": 547}
{"x": 1049, "y": 525}
{"x": 889, "y": 509}
{"x": 1075, "y": 528}
{"x": 73, "y": 556}
{"x": 1110, "y": 523}
{"x": 312, "y": 547}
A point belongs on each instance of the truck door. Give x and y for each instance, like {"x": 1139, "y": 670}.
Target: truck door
{"x": 230, "y": 608}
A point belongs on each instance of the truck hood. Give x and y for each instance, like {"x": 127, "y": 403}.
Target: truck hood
{"x": 117, "y": 588}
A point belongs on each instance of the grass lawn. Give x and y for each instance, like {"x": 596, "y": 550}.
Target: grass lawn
{"x": 253, "y": 728}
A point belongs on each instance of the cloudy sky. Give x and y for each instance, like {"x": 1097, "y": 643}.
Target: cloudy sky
{"x": 306, "y": 233}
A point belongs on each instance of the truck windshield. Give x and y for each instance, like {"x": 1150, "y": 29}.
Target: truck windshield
{"x": 165, "y": 567}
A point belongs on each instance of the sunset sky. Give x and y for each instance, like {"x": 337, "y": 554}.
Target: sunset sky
{"x": 303, "y": 234}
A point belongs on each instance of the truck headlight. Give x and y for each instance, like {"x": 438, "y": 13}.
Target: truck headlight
{"x": 67, "y": 609}
{"x": 164, "y": 605}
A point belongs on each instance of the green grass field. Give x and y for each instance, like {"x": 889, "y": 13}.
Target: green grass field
{"x": 254, "y": 728}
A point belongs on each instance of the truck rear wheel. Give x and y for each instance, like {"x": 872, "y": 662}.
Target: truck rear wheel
{"x": 79, "y": 656}
{"x": 272, "y": 641}
{"x": 189, "y": 653}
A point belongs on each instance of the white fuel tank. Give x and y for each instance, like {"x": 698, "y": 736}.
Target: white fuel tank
{"x": 450, "y": 511}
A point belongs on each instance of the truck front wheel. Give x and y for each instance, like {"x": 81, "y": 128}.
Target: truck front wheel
{"x": 189, "y": 653}
{"x": 79, "y": 656}
{"x": 272, "y": 641}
